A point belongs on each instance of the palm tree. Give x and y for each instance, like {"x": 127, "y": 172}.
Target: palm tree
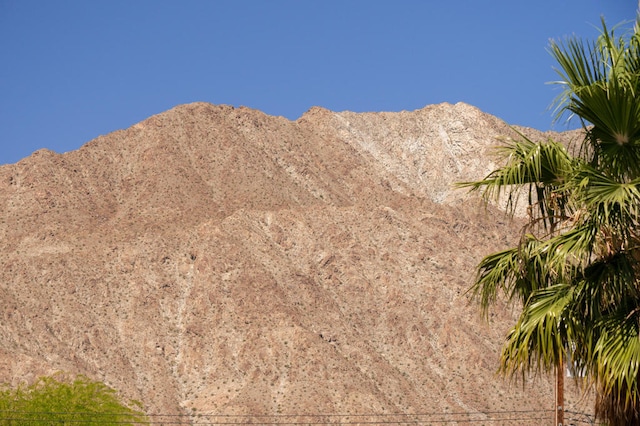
{"x": 576, "y": 270}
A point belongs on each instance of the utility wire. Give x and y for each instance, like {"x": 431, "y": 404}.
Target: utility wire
{"x": 282, "y": 419}
{"x": 423, "y": 414}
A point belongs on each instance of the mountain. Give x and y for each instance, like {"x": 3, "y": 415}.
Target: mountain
{"x": 213, "y": 260}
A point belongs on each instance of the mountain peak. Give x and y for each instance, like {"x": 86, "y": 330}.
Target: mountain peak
{"x": 219, "y": 260}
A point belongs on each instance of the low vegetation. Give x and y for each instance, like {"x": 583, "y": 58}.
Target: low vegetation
{"x": 61, "y": 400}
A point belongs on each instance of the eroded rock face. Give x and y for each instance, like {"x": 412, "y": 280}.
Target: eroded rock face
{"x": 219, "y": 260}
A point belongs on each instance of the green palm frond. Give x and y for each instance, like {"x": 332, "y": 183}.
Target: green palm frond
{"x": 610, "y": 203}
{"x": 519, "y": 272}
{"x": 496, "y": 274}
{"x": 538, "y": 340}
{"x": 607, "y": 283}
{"x": 600, "y": 82}
{"x": 541, "y": 168}
{"x": 526, "y": 162}
{"x": 617, "y": 352}
{"x": 597, "y": 188}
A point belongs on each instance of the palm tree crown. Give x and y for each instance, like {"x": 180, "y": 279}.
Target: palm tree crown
{"x": 576, "y": 270}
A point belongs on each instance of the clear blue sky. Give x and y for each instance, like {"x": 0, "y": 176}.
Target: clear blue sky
{"x": 73, "y": 70}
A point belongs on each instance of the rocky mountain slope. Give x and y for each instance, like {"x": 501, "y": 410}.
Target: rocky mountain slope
{"x": 217, "y": 260}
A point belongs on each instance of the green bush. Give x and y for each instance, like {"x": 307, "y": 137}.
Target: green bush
{"x": 59, "y": 400}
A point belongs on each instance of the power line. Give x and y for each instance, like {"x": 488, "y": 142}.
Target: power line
{"x": 420, "y": 414}
{"x": 179, "y": 422}
{"x": 286, "y": 419}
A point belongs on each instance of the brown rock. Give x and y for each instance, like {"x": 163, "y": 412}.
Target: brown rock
{"x": 217, "y": 260}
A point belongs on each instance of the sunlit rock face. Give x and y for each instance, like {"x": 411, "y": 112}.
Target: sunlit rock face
{"x": 217, "y": 260}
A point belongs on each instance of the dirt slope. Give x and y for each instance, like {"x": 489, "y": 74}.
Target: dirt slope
{"x": 222, "y": 261}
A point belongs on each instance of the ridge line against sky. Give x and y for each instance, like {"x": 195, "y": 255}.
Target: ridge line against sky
{"x": 74, "y": 70}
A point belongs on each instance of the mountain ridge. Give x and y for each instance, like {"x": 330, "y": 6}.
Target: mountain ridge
{"x": 213, "y": 259}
